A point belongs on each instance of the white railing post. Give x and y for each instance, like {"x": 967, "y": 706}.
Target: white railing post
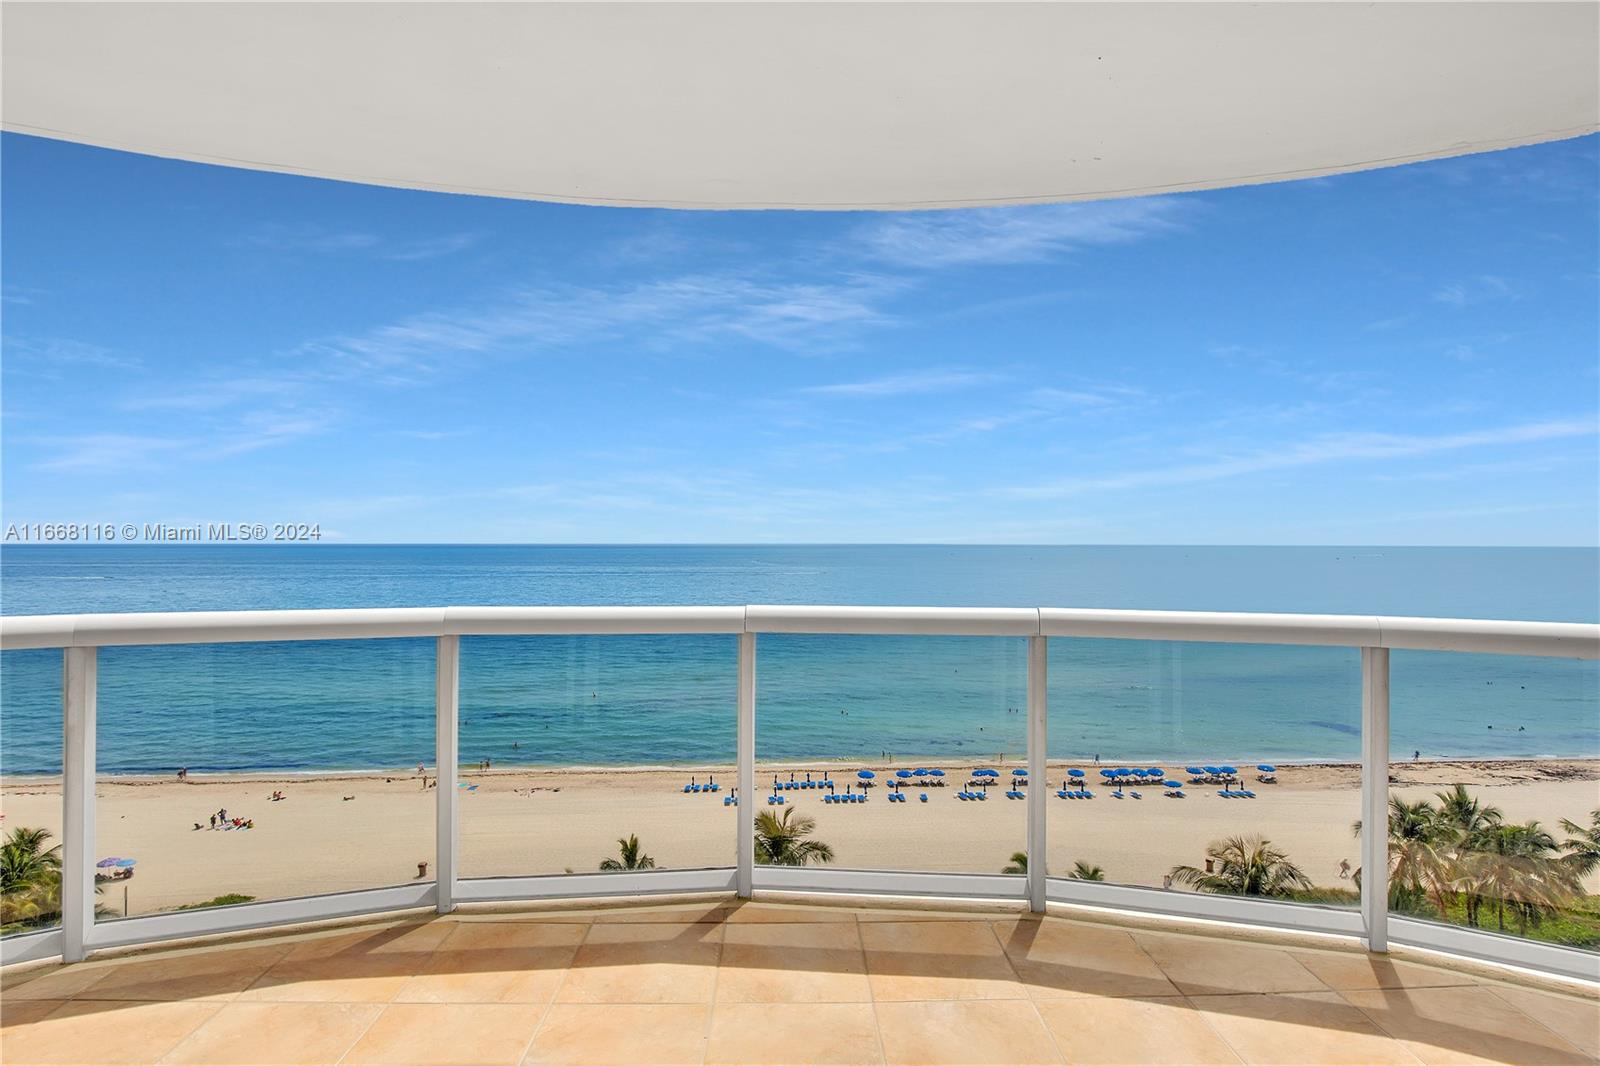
{"x": 1038, "y": 787}
{"x": 1375, "y": 797}
{"x": 744, "y": 816}
{"x": 78, "y": 684}
{"x": 446, "y": 746}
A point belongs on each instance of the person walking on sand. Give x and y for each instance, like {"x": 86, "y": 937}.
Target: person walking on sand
{"x": 213, "y": 821}
{"x": 1344, "y": 869}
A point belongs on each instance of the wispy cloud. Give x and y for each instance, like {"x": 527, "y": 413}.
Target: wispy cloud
{"x": 112, "y": 452}
{"x": 106, "y": 451}
{"x": 1014, "y": 235}
{"x": 906, "y": 384}
{"x": 47, "y": 356}
{"x": 1483, "y": 288}
{"x": 319, "y": 240}
{"x": 1330, "y": 448}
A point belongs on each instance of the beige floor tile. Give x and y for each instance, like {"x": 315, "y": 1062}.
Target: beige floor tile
{"x": 435, "y": 1034}
{"x": 937, "y": 960}
{"x": 1573, "y": 1019}
{"x": 1463, "y": 1025}
{"x": 582, "y": 1034}
{"x": 410, "y": 941}
{"x": 1056, "y": 959}
{"x": 786, "y": 912}
{"x": 489, "y": 975}
{"x": 1355, "y": 971}
{"x": 1207, "y": 966}
{"x": 357, "y": 979}
{"x": 276, "y": 1034}
{"x": 963, "y": 1033}
{"x": 714, "y": 913}
{"x": 14, "y": 1012}
{"x": 792, "y": 963}
{"x": 470, "y": 936}
{"x": 1133, "y": 1032}
{"x": 780, "y": 1034}
{"x": 212, "y": 974}
{"x": 631, "y": 963}
{"x": 1302, "y": 1029}
{"x": 57, "y": 982}
{"x": 89, "y": 1033}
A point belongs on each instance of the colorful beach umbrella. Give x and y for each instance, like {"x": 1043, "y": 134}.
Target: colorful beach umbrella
{"x": 123, "y": 864}
{"x": 105, "y": 864}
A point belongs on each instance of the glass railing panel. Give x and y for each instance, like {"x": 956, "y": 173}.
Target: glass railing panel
{"x": 1494, "y": 819}
{"x": 940, "y": 722}
{"x": 573, "y": 746}
{"x": 1230, "y": 769}
{"x": 262, "y": 771}
{"x": 30, "y": 790}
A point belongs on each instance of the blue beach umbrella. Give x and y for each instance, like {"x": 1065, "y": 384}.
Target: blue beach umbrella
{"x": 902, "y": 774}
{"x": 1264, "y": 768}
{"x": 1156, "y": 771}
{"x": 986, "y": 773}
{"x": 1074, "y": 773}
{"x": 1212, "y": 770}
{"x": 1229, "y": 770}
{"x": 106, "y": 864}
{"x": 1194, "y": 769}
{"x": 1019, "y": 773}
{"x": 1123, "y": 771}
{"x": 866, "y": 775}
{"x": 1173, "y": 784}
{"x": 935, "y": 773}
{"x": 1108, "y": 774}
{"x": 1141, "y": 772}
{"x": 123, "y": 864}
{"x": 919, "y": 772}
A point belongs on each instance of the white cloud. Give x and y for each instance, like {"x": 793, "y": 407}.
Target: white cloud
{"x": 1336, "y": 447}
{"x": 1480, "y": 289}
{"x": 905, "y": 384}
{"x": 1014, "y": 234}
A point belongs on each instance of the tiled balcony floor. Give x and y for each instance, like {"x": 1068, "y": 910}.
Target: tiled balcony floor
{"x": 768, "y": 983}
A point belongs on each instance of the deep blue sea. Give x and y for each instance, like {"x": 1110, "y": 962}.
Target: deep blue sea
{"x": 670, "y": 700}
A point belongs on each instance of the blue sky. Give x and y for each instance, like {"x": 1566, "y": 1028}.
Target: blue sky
{"x": 1404, "y": 356}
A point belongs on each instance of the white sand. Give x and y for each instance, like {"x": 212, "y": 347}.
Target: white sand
{"x": 549, "y": 821}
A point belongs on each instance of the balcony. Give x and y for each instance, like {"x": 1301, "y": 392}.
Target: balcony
{"x": 738, "y": 982}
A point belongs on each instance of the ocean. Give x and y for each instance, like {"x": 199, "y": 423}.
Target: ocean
{"x": 668, "y": 700}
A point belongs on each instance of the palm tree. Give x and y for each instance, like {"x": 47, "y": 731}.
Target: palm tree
{"x": 1082, "y": 871}
{"x": 1583, "y": 846}
{"x": 1518, "y": 865}
{"x": 1019, "y": 863}
{"x": 632, "y": 857}
{"x": 30, "y": 877}
{"x": 1462, "y": 822}
{"x": 1247, "y": 866}
{"x": 781, "y": 841}
{"x": 1416, "y": 865}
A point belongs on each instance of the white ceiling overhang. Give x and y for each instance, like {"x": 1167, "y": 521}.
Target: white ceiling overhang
{"x": 901, "y": 105}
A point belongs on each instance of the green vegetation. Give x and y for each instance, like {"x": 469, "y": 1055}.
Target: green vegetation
{"x": 30, "y": 881}
{"x": 227, "y": 899}
{"x": 1458, "y": 860}
{"x": 1083, "y": 871}
{"x": 782, "y": 841}
{"x": 1018, "y": 864}
{"x": 633, "y": 857}
{"x": 1245, "y": 866}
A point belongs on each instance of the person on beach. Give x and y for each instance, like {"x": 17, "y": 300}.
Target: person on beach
{"x": 213, "y": 821}
{"x": 1344, "y": 869}
{"x": 183, "y": 773}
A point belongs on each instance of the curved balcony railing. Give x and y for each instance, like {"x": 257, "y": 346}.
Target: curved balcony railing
{"x": 80, "y": 636}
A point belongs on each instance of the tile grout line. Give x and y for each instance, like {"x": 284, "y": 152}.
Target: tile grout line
{"x": 555, "y": 995}
{"x": 872, "y": 996}
{"x": 711, "y": 1006}
{"x": 1490, "y": 989}
{"x": 1027, "y": 997}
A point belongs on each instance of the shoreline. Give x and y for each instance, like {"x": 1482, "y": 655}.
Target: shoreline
{"x": 798, "y": 765}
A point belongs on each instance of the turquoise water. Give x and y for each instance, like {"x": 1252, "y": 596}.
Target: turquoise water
{"x": 657, "y": 700}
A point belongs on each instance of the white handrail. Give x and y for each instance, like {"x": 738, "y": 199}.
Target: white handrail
{"x": 1571, "y": 640}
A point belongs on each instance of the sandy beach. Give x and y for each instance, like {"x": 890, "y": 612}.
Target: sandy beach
{"x": 548, "y": 821}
